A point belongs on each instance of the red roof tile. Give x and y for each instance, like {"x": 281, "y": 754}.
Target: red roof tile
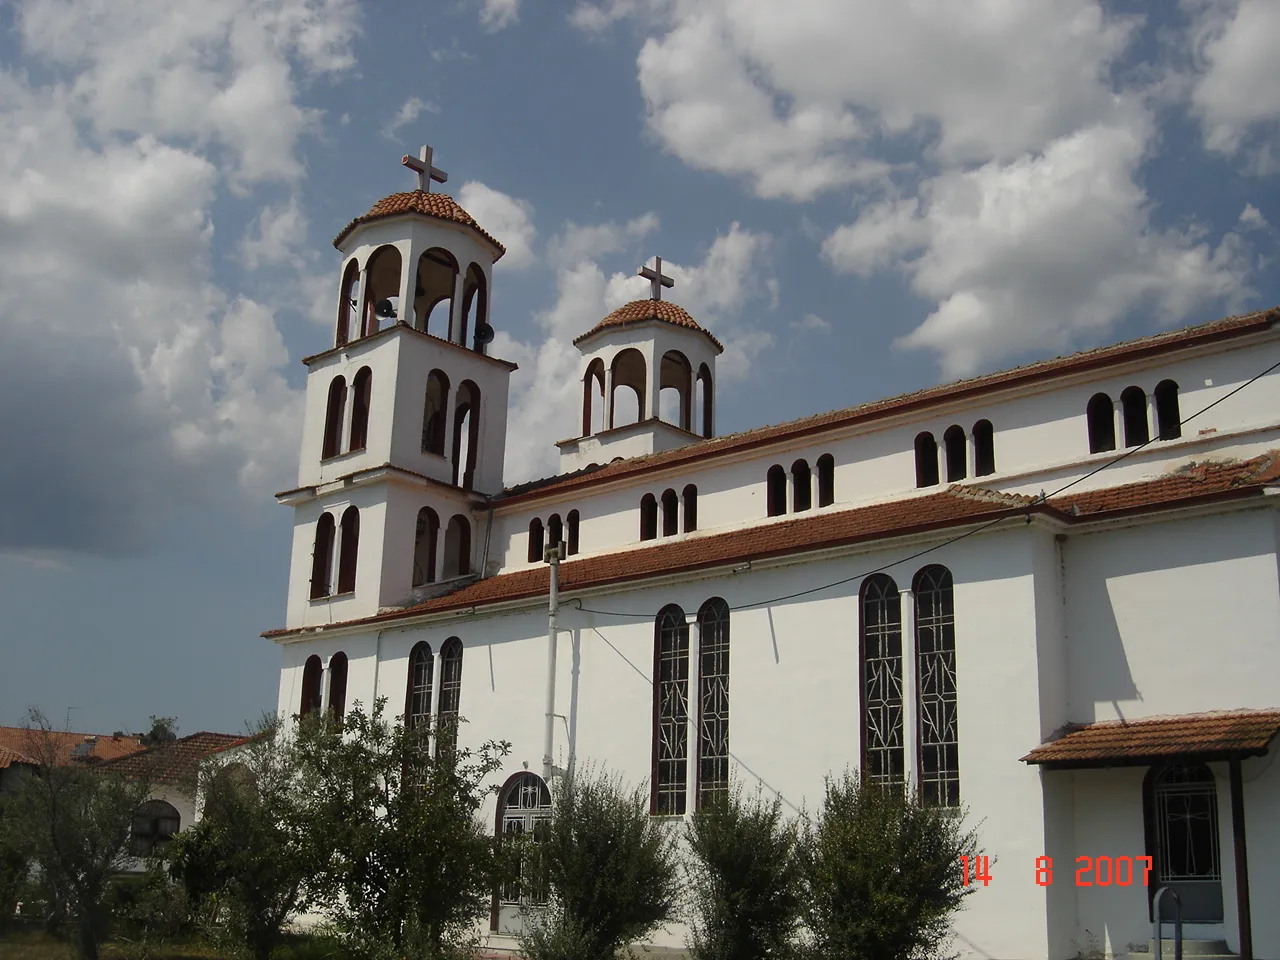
{"x": 68, "y": 746}
{"x": 438, "y": 206}
{"x": 640, "y": 311}
{"x": 8, "y": 758}
{"x": 177, "y": 761}
{"x": 1117, "y": 742}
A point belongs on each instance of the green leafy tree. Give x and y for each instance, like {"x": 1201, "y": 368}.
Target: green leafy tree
{"x": 883, "y": 873}
{"x": 409, "y": 868}
{"x": 745, "y": 880}
{"x": 163, "y": 730}
{"x": 15, "y": 865}
{"x": 612, "y": 871}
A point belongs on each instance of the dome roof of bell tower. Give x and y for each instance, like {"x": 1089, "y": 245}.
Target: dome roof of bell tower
{"x": 641, "y": 311}
{"x": 437, "y": 206}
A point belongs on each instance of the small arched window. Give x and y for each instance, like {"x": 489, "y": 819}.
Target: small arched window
{"x": 361, "y": 389}
{"x": 154, "y": 824}
{"x": 450, "y": 695}
{"x": 802, "y": 486}
{"x": 348, "y": 301}
{"x": 348, "y": 550}
{"x": 690, "y": 498}
{"x": 648, "y": 517}
{"x": 938, "y": 741}
{"x": 926, "y": 460}
{"x": 713, "y": 702}
{"x": 571, "y": 522}
{"x": 338, "y": 685}
{"x": 1133, "y": 408}
{"x": 417, "y": 698}
{"x": 312, "y": 675}
{"x": 457, "y": 547}
{"x": 984, "y": 448}
{"x": 670, "y": 712}
{"x": 955, "y": 443}
{"x": 322, "y": 557}
{"x": 555, "y": 530}
{"x": 826, "y": 480}
{"x": 535, "y": 540}
{"x": 670, "y": 513}
{"x": 1102, "y": 423}
{"x": 776, "y": 491}
{"x": 1168, "y": 418}
{"x": 335, "y": 408}
{"x": 424, "y": 547}
{"x": 434, "y": 411}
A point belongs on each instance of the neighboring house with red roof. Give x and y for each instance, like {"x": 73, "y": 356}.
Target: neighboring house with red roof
{"x": 23, "y": 748}
{"x": 1050, "y": 593}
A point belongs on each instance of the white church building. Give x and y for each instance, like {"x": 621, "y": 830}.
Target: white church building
{"x": 1050, "y": 595}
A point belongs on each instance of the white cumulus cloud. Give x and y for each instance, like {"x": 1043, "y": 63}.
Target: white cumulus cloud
{"x": 504, "y": 217}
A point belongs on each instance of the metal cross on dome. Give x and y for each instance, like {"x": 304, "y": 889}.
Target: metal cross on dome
{"x": 656, "y": 280}
{"x": 421, "y": 165}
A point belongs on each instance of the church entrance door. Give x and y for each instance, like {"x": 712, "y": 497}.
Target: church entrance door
{"x": 524, "y": 811}
{"x": 1181, "y": 806}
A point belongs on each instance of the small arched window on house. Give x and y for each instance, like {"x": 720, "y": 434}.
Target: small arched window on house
{"x": 776, "y": 491}
{"x": 1133, "y": 409}
{"x": 1102, "y": 423}
{"x": 348, "y": 550}
{"x": 593, "y": 398}
{"x": 670, "y": 513}
{"x": 433, "y": 296}
{"x": 457, "y": 547}
{"x": 690, "y": 497}
{"x": 984, "y": 448}
{"x": 555, "y": 530}
{"x": 322, "y": 557}
{"x": 312, "y": 675}
{"x": 571, "y": 532}
{"x": 450, "y": 695}
{"x": 338, "y": 685}
{"x": 926, "y": 459}
{"x": 425, "y": 539}
{"x": 153, "y": 826}
{"x": 335, "y": 409}
{"x": 648, "y": 517}
{"x": 348, "y": 302}
{"x": 706, "y": 401}
{"x": 466, "y": 434}
{"x": 435, "y": 410}
{"x": 937, "y": 739}
{"x": 475, "y": 308}
{"x": 1168, "y": 417}
{"x": 826, "y": 480}
{"x": 675, "y": 391}
{"x": 801, "y": 486}
{"x": 957, "y": 453}
{"x": 630, "y": 375}
{"x": 381, "y": 290}
{"x": 417, "y": 698}
{"x": 535, "y": 540}
{"x": 361, "y": 396}
{"x": 713, "y": 702}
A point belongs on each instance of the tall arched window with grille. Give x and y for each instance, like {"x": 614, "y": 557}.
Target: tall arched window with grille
{"x": 880, "y": 659}
{"x": 348, "y": 550}
{"x": 938, "y": 745}
{"x": 334, "y": 410}
{"x": 362, "y": 396}
{"x": 417, "y": 698}
{"x": 322, "y": 557}
{"x": 450, "y": 695}
{"x": 670, "y": 712}
{"x": 713, "y": 702}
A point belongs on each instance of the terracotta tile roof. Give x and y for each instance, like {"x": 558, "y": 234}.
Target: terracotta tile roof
{"x": 1031, "y": 373}
{"x": 8, "y": 758}
{"x": 1117, "y": 742}
{"x": 177, "y": 761}
{"x": 956, "y": 506}
{"x": 439, "y": 206}
{"x": 638, "y": 311}
{"x": 89, "y": 747}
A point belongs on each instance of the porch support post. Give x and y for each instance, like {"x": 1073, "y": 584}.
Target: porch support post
{"x": 1242, "y": 865}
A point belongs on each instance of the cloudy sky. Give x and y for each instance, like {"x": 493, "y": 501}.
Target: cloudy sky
{"x": 859, "y": 197}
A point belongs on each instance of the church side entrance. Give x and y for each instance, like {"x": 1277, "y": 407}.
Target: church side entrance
{"x": 1181, "y": 819}
{"x": 524, "y": 809}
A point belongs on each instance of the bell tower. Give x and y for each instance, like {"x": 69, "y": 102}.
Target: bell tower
{"x": 406, "y": 414}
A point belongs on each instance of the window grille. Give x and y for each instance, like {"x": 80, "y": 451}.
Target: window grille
{"x": 671, "y": 692}
{"x": 1186, "y": 802}
{"x": 939, "y": 751}
{"x": 713, "y": 702}
{"x": 883, "y": 746}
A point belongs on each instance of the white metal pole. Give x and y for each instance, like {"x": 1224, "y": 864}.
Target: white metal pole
{"x": 554, "y": 553}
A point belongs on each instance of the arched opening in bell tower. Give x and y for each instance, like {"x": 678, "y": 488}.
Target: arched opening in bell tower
{"x": 433, "y": 296}
{"x": 676, "y": 390}
{"x": 424, "y": 547}
{"x": 457, "y": 548}
{"x": 593, "y": 398}
{"x": 629, "y": 373}
{"x": 466, "y": 434}
{"x": 381, "y": 288}
{"x": 435, "y": 410}
{"x": 348, "y": 301}
{"x": 475, "y": 307}
{"x": 705, "y": 399}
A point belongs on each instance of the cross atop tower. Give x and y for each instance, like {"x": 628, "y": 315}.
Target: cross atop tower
{"x": 421, "y": 165}
{"x": 656, "y": 280}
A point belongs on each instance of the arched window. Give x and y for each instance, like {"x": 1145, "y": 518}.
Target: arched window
{"x": 571, "y": 521}
{"x": 670, "y": 513}
{"x": 348, "y": 302}
{"x": 880, "y": 657}
{"x": 334, "y": 409}
{"x": 690, "y": 497}
{"x": 322, "y": 557}
{"x": 630, "y": 374}
{"x": 433, "y": 297}
{"x": 954, "y": 441}
{"x": 826, "y": 480}
{"x": 338, "y": 685}
{"x": 1180, "y": 810}
{"x": 535, "y": 541}
{"x": 984, "y": 448}
{"x": 457, "y": 547}
{"x": 675, "y": 391}
{"x": 361, "y": 390}
{"x": 417, "y": 698}
{"x": 1168, "y": 417}
{"x": 434, "y": 411}
{"x": 466, "y": 434}
{"x": 801, "y": 486}
{"x": 706, "y": 399}
{"x": 425, "y": 539}
{"x": 938, "y": 744}
{"x": 926, "y": 459}
{"x": 450, "y": 695}
{"x": 154, "y": 824}
{"x": 593, "y": 398}
{"x": 1102, "y": 423}
{"x": 475, "y": 307}
{"x": 381, "y": 289}
{"x": 670, "y": 711}
{"x": 648, "y": 517}
{"x": 312, "y": 675}
{"x": 713, "y": 701}
{"x": 555, "y": 530}
{"x": 776, "y": 491}
{"x": 1133, "y": 410}
{"x": 349, "y": 550}
{"x": 524, "y": 807}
